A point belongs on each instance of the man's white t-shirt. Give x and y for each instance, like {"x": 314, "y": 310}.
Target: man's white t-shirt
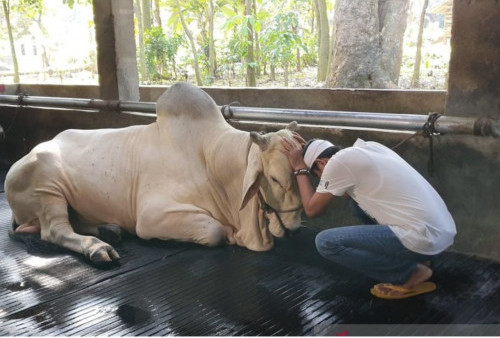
{"x": 389, "y": 190}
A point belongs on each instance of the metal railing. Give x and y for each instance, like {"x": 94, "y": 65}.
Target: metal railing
{"x": 402, "y": 122}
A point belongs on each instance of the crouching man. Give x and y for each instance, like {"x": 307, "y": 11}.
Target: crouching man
{"x": 405, "y": 223}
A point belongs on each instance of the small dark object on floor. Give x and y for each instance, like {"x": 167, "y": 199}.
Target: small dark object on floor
{"x": 132, "y": 315}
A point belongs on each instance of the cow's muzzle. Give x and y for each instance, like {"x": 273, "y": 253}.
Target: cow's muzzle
{"x": 269, "y": 209}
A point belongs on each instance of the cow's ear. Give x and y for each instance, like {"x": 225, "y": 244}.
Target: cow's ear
{"x": 261, "y": 140}
{"x": 292, "y": 126}
{"x": 251, "y": 181}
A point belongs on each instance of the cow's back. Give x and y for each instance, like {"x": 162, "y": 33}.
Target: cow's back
{"x": 94, "y": 170}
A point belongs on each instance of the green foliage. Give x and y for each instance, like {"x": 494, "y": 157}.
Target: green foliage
{"x": 29, "y": 8}
{"x": 238, "y": 44}
{"x": 309, "y": 45}
{"x": 160, "y": 54}
{"x": 240, "y": 23}
{"x": 230, "y": 60}
{"x": 71, "y": 3}
{"x": 279, "y": 40}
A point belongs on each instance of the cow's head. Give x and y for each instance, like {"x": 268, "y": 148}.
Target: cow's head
{"x": 270, "y": 172}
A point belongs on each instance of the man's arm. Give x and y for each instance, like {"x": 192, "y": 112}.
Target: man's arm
{"x": 314, "y": 203}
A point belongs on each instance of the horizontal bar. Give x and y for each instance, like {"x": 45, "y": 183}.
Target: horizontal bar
{"x": 402, "y": 122}
{"x": 62, "y": 102}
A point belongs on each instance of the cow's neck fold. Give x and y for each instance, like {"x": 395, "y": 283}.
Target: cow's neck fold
{"x": 226, "y": 156}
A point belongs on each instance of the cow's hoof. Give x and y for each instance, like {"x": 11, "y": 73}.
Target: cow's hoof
{"x": 110, "y": 233}
{"x": 103, "y": 255}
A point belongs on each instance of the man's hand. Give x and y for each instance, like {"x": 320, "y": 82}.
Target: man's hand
{"x": 299, "y": 139}
{"x": 293, "y": 152}
{"x": 314, "y": 203}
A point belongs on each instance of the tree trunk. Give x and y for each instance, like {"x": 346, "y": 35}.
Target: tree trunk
{"x": 286, "y": 74}
{"x": 299, "y": 63}
{"x": 367, "y": 43}
{"x": 6, "y": 11}
{"x": 191, "y": 42}
{"x": 250, "y": 78}
{"x": 157, "y": 13}
{"x": 211, "y": 43}
{"x": 146, "y": 15}
{"x": 315, "y": 14}
{"x": 43, "y": 54}
{"x": 257, "y": 54}
{"x": 257, "y": 43}
{"x": 297, "y": 51}
{"x": 142, "y": 55}
{"x": 393, "y": 17}
{"x": 418, "y": 55}
{"x": 323, "y": 39}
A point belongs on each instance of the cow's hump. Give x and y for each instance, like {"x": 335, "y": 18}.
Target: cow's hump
{"x": 186, "y": 101}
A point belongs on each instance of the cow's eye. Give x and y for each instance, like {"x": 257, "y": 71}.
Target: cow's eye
{"x": 276, "y": 181}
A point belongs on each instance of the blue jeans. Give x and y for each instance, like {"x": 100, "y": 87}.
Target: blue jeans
{"x": 373, "y": 250}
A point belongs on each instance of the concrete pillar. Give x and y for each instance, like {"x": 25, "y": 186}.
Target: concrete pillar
{"x": 474, "y": 73}
{"x": 116, "y": 53}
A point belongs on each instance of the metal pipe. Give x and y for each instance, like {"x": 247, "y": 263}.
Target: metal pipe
{"x": 403, "y": 122}
{"x": 327, "y": 117}
{"x": 62, "y": 102}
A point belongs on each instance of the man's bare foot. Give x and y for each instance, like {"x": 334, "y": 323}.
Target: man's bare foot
{"x": 421, "y": 274}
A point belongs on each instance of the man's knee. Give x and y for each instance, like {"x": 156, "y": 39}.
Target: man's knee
{"x": 328, "y": 244}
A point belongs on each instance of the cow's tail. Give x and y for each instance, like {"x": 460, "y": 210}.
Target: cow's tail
{"x": 33, "y": 241}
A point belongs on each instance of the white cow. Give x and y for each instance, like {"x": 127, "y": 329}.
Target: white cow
{"x": 189, "y": 176}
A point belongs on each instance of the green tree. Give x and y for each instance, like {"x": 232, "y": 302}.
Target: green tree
{"x": 179, "y": 12}
{"x": 204, "y": 12}
{"x": 160, "y": 54}
{"x": 249, "y": 36}
{"x": 280, "y": 41}
{"x": 241, "y": 27}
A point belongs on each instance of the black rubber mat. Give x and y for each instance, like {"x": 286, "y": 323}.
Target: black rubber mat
{"x": 166, "y": 288}
{"x": 31, "y": 278}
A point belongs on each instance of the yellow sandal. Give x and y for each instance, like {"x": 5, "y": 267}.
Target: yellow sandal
{"x": 425, "y": 287}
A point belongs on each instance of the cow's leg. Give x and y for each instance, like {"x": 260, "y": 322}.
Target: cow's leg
{"x": 187, "y": 227}
{"x": 109, "y": 233}
{"x": 56, "y": 228}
